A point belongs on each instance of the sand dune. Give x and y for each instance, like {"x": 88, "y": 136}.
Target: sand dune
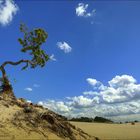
{"x": 111, "y": 131}
{"x": 22, "y": 120}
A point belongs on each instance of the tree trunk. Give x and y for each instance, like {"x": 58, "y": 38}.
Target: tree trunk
{"x": 6, "y": 86}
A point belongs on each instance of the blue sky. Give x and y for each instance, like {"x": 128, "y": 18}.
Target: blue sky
{"x": 95, "y": 47}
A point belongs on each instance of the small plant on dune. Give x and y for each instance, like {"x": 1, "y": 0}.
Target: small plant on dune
{"x": 31, "y": 44}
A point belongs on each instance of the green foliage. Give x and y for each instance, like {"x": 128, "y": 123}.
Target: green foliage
{"x": 31, "y": 43}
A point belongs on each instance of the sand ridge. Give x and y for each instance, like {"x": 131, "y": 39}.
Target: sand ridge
{"x": 22, "y": 120}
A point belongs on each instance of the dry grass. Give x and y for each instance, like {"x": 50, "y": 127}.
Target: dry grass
{"x": 111, "y": 131}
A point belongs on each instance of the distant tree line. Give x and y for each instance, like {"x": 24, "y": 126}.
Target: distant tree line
{"x": 82, "y": 119}
{"x": 96, "y": 119}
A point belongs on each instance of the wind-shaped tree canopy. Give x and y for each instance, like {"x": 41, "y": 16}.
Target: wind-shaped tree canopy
{"x": 31, "y": 44}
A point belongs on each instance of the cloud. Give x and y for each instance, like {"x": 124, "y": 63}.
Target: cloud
{"x": 92, "y": 81}
{"x": 28, "y": 89}
{"x": 121, "y": 89}
{"x": 117, "y": 112}
{"x": 122, "y": 81}
{"x": 81, "y": 10}
{"x": 52, "y": 57}
{"x": 58, "y": 106}
{"x": 93, "y": 93}
{"x": 82, "y": 102}
{"x": 95, "y": 84}
{"x": 64, "y": 46}
{"x": 118, "y": 100}
{"x": 7, "y": 10}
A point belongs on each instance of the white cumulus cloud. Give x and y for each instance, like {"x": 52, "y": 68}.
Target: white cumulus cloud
{"x": 92, "y": 81}
{"x": 119, "y": 100}
{"x": 93, "y": 93}
{"x": 57, "y": 106}
{"x": 64, "y": 46}
{"x": 81, "y": 10}
{"x": 122, "y": 81}
{"x": 7, "y": 10}
{"x": 95, "y": 84}
{"x": 52, "y": 57}
{"x": 82, "y": 102}
{"x": 28, "y": 89}
{"x": 120, "y": 89}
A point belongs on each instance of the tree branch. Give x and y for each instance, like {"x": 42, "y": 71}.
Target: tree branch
{"x": 27, "y": 62}
{"x": 7, "y": 85}
{"x": 17, "y": 63}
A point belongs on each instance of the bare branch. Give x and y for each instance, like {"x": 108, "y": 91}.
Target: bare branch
{"x": 16, "y": 63}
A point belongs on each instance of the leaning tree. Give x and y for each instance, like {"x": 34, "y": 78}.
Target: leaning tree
{"x": 31, "y": 44}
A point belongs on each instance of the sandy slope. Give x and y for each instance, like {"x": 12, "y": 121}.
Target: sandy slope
{"x": 106, "y": 131}
{"x": 22, "y": 120}
{"x": 10, "y": 131}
